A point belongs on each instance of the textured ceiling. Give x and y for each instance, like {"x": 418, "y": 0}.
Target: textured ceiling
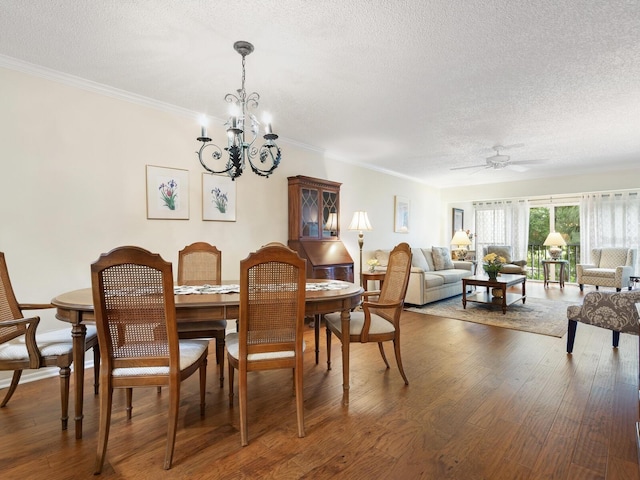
{"x": 414, "y": 87}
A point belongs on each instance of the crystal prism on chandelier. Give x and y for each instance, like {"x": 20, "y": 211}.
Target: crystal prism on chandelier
{"x": 241, "y": 149}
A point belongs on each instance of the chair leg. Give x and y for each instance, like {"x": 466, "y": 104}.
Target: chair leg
{"x": 328, "y": 348}
{"x": 231, "y": 374}
{"x": 616, "y": 339}
{"x": 174, "y": 405}
{"x": 65, "y": 374}
{"x": 396, "y": 348}
{"x": 571, "y": 334}
{"x": 384, "y": 357}
{"x": 12, "y": 388}
{"x": 106, "y": 399}
{"x": 242, "y": 394}
{"x": 299, "y": 401}
{"x": 203, "y": 385}
{"x": 582, "y": 287}
{"x": 129, "y": 402}
{"x": 618, "y": 289}
{"x": 96, "y": 369}
{"x": 220, "y": 359}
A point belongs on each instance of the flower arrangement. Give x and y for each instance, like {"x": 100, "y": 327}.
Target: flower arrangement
{"x": 492, "y": 263}
{"x": 220, "y": 199}
{"x": 169, "y": 193}
{"x": 373, "y": 263}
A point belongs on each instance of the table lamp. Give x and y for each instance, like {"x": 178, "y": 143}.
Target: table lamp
{"x": 461, "y": 240}
{"x": 555, "y": 242}
{"x": 360, "y": 221}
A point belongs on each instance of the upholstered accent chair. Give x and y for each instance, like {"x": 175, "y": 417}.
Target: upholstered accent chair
{"x": 609, "y": 267}
{"x": 512, "y": 265}
{"x": 615, "y": 311}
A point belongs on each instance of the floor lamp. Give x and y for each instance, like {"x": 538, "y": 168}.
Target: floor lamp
{"x": 360, "y": 221}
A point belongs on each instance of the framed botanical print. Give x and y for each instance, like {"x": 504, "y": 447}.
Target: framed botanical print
{"x": 167, "y": 193}
{"x": 401, "y": 215}
{"x": 218, "y": 198}
{"x": 457, "y": 220}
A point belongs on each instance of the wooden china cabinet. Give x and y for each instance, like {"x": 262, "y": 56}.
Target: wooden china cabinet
{"x": 314, "y": 228}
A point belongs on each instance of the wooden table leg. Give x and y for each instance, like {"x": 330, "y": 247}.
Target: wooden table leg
{"x": 316, "y": 328}
{"x": 78, "y": 334}
{"x": 345, "y": 318}
{"x": 464, "y": 294}
{"x": 504, "y": 298}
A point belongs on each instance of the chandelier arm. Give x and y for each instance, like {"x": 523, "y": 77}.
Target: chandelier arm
{"x": 216, "y": 155}
{"x": 267, "y": 154}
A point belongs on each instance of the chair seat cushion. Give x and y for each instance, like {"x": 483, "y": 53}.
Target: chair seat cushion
{"x": 615, "y": 311}
{"x": 599, "y": 272}
{"x": 378, "y": 324}
{"x": 190, "y": 351}
{"x": 233, "y": 348}
{"x": 16, "y": 350}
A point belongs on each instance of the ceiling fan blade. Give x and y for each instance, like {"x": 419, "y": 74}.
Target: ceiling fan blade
{"x": 470, "y": 166}
{"x": 516, "y": 168}
{"x": 513, "y": 145}
{"x": 529, "y": 162}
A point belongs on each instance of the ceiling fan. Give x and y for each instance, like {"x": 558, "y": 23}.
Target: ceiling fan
{"x": 500, "y": 161}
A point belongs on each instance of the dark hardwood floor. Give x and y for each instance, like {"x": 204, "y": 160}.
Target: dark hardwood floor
{"x": 483, "y": 403}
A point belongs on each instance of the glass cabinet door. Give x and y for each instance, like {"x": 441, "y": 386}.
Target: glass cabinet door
{"x": 310, "y": 212}
{"x": 329, "y": 214}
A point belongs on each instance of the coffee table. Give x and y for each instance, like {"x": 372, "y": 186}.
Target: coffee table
{"x": 503, "y": 282}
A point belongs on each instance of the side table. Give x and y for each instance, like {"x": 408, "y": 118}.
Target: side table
{"x": 545, "y": 268}
{"x": 366, "y": 276}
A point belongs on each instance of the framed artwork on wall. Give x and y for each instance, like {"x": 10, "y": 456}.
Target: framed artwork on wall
{"x": 401, "y": 217}
{"x": 218, "y": 198}
{"x": 457, "y": 220}
{"x": 167, "y": 193}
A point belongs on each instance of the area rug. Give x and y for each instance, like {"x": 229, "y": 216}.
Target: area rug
{"x": 537, "y": 315}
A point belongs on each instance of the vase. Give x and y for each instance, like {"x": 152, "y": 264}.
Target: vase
{"x": 372, "y": 268}
{"x": 492, "y": 273}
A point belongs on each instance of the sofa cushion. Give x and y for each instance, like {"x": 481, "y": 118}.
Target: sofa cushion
{"x": 383, "y": 257}
{"x": 431, "y": 280}
{"x": 453, "y": 275}
{"x": 418, "y": 260}
{"x": 441, "y": 258}
{"x": 429, "y": 258}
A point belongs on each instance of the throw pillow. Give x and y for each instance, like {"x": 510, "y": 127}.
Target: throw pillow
{"x": 441, "y": 258}
{"x": 418, "y": 260}
{"x": 383, "y": 257}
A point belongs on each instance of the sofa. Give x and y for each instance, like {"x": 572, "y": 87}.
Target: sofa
{"x": 433, "y": 275}
{"x": 609, "y": 267}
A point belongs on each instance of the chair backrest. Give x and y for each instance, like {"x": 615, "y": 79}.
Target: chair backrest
{"x": 199, "y": 263}
{"x": 135, "y": 309}
{"x": 500, "y": 250}
{"x": 394, "y": 287}
{"x": 613, "y": 257}
{"x": 9, "y": 307}
{"x": 272, "y": 301}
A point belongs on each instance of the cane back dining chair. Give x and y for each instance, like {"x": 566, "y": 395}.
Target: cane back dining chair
{"x": 272, "y": 303}
{"x": 21, "y": 348}
{"x": 198, "y": 264}
{"x": 379, "y": 320}
{"x": 136, "y": 322}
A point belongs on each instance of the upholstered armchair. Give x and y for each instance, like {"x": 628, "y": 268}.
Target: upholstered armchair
{"x": 518, "y": 267}
{"x": 609, "y": 267}
{"x": 615, "y": 311}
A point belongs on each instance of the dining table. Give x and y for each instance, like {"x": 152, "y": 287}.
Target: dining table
{"x": 223, "y": 303}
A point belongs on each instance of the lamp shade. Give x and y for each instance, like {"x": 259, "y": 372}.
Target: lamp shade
{"x": 460, "y": 238}
{"x": 332, "y": 222}
{"x": 554, "y": 239}
{"x": 360, "y": 221}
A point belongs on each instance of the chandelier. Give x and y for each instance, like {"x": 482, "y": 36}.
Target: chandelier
{"x": 243, "y": 129}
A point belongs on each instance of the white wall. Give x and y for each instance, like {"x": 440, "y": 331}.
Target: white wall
{"x": 73, "y": 183}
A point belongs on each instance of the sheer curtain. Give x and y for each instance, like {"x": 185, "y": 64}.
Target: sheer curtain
{"x": 504, "y": 222}
{"x": 609, "y": 220}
